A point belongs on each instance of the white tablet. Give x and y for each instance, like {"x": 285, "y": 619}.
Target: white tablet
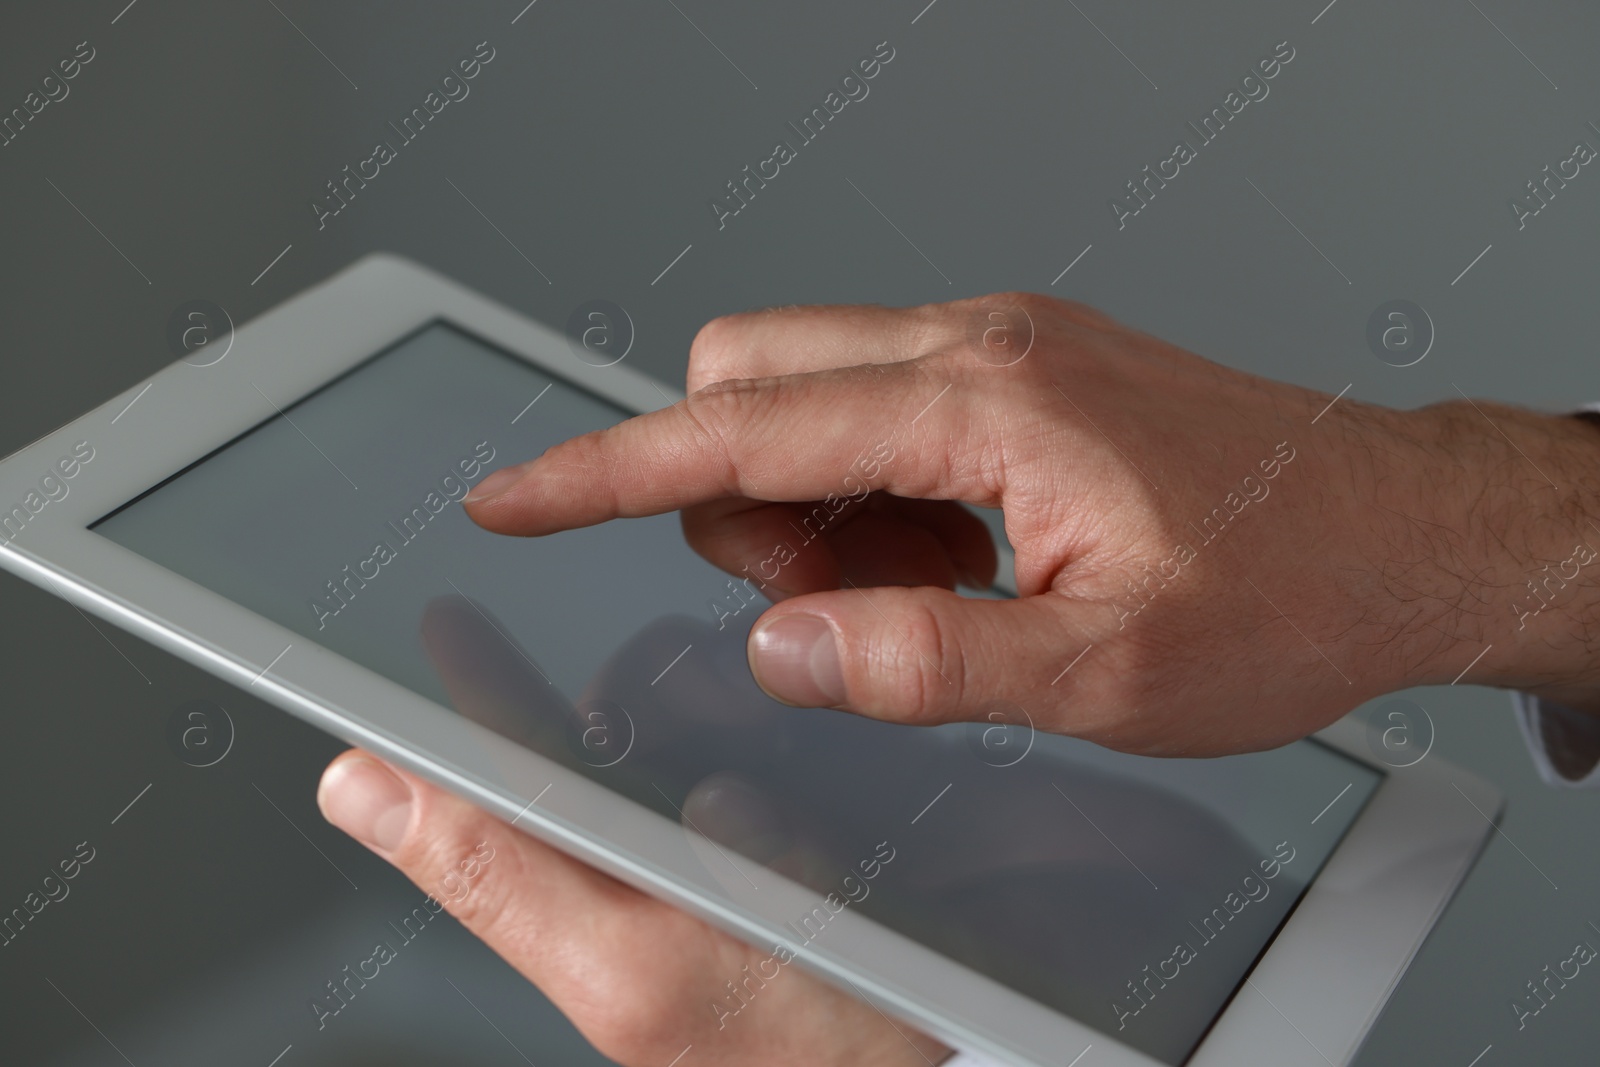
{"x": 288, "y": 517}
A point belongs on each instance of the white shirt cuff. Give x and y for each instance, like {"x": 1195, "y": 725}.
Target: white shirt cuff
{"x": 1531, "y": 714}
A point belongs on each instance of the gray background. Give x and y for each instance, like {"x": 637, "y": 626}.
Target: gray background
{"x": 196, "y": 138}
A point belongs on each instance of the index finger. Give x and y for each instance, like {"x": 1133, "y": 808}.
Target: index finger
{"x": 834, "y": 434}
{"x": 790, "y": 340}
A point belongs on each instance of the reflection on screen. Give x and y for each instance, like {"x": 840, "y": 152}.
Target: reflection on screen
{"x": 1132, "y": 894}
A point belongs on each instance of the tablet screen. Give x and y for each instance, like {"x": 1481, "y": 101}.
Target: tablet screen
{"x": 1130, "y": 893}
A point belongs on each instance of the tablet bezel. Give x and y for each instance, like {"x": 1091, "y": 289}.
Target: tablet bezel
{"x": 1329, "y": 970}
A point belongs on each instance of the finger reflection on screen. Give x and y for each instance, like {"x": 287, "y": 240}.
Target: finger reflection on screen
{"x": 1013, "y": 876}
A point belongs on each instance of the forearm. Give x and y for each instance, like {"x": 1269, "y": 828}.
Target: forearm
{"x": 1488, "y": 552}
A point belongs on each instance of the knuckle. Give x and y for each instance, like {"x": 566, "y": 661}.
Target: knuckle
{"x": 589, "y": 460}
{"x": 714, "y": 353}
{"x": 1025, "y": 300}
{"x": 579, "y": 456}
{"x": 442, "y": 847}
{"x": 1044, "y": 309}
{"x": 1077, "y": 310}
{"x": 482, "y": 904}
{"x": 723, "y": 407}
{"x": 1043, "y": 306}
{"x": 1032, "y": 303}
{"x": 927, "y": 328}
{"x": 919, "y": 666}
{"x": 431, "y": 835}
{"x": 722, "y": 399}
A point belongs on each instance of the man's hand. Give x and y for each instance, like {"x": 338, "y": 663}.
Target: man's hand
{"x": 1208, "y": 561}
{"x": 638, "y": 977}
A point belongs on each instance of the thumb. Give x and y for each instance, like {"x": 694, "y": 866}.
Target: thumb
{"x": 633, "y": 974}
{"x": 920, "y": 656}
{"x": 519, "y": 895}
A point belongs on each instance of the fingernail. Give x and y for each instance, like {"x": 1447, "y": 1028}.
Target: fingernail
{"x": 366, "y": 800}
{"x": 495, "y": 484}
{"x": 796, "y": 660}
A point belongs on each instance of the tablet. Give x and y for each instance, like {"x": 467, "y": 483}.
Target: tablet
{"x": 289, "y": 518}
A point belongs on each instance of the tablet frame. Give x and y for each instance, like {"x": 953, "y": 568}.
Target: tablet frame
{"x": 1330, "y": 969}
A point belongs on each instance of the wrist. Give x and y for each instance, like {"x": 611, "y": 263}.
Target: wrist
{"x": 1497, "y": 561}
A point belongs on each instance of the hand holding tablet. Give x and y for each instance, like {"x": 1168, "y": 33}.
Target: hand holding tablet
{"x": 643, "y": 980}
{"x": 637, "y": 976}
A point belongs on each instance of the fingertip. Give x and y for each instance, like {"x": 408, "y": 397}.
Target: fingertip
{"x": 334, "y": 773}
{"x": 735, "y": 812}
{"x": 487, "y": 512}
{"x": 511, "y": 512}
{"x": 496, "y": 484}
{"x": 795, "y": 659}
{"x": 366, "y": 799}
